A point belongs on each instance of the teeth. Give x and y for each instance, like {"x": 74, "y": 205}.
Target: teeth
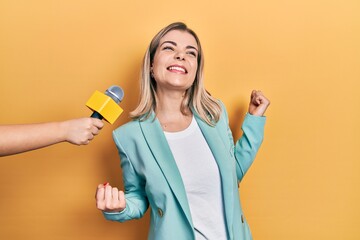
{"x": 177, "y": 68}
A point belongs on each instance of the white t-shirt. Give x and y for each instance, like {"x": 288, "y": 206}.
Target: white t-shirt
{"x": 201, "y": 178}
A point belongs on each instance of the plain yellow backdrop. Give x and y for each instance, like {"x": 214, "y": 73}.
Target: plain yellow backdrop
{"x": 303, "y": 54}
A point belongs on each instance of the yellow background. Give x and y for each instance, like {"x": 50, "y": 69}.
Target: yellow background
{"x": 303, "y": 54}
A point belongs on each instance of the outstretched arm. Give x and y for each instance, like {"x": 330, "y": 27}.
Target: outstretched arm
{"x": 21, "y": 138}
{"x": 248, "y": 145}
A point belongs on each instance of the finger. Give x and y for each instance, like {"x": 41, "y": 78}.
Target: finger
{"x": 254, "y": 96}
{"x": 115, "y": 194}
{"x": 97, "y": 123}
{"x": 100, "y": 192}
{"x": 108, "y": 195}
{"x": 85, "y": 142}
{"x": 121, "y": 195}
{"x": 97, "y": 189}
{"x": 255, "y": 100}
{"x": 258, "y": 97}
{"x": 258, "y": 100}
{"x": 122, "y": 199}
{"x": 263, "y": 99}
{"x": 253, "y": 92}
{"x": 90, "y": 137}
{"x": 94, "y": 130}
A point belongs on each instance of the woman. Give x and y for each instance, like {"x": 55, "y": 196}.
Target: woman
{"x": 178, "y": 154}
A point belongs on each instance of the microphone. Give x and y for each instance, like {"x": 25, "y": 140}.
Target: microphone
{"x": 105, "y": 106}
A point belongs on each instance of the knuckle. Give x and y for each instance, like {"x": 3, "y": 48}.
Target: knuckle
{"x": 122, "y": 204}
{"x": 100, "y": 205}
{"x": 109, "y": 206}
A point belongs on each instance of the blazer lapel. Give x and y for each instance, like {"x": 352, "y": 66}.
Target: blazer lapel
{"x": 221, "y": 155}
{"x": 160, "y": 149}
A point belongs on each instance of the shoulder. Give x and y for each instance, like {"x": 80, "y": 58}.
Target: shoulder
{"x": 129, "y": 126}
{"x": 222, "y": 105}
{"x": 127, "y": 130}
{"x": 224, "y": 114}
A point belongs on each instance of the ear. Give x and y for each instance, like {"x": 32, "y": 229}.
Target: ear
{"x": 151, "y": 71}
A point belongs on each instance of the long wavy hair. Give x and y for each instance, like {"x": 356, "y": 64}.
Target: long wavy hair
{"x": 196, "y": 97}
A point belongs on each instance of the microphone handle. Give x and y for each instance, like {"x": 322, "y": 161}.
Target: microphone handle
{"x": 97, "y": 115}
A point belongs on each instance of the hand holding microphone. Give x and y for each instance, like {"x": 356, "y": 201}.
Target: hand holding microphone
{"x": 26, "y": 137}
{"x": 20, "y": 138}
{"x": 105, "y": 106}
{"x": 82, "y": 130}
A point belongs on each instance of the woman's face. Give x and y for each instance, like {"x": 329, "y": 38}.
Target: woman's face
{"x": 175, "y": 62}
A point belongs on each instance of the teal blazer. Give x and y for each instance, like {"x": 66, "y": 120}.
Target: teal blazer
{"x": 151, "y": 176}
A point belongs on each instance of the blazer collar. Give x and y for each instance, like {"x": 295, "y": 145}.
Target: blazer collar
{"x": 160, "y": 149}
{"x": 225, "y": 165}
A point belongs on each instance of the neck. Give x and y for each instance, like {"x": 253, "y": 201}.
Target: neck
{"x": 169, "y": 114}
{"x": 169, "y": 103}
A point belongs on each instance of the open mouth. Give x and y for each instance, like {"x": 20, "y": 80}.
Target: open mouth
{"x": 177, "y": 68}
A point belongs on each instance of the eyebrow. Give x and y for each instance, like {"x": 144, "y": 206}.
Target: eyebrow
{"x": 174, "y": 43}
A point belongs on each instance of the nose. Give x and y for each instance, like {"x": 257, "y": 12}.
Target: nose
{"x": 180, "y": 56}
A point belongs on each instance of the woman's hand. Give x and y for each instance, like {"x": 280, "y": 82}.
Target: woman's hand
{"x": 258, "y": 103}
{"x": 109, "y": 199}
{"x": 82, "y": 130}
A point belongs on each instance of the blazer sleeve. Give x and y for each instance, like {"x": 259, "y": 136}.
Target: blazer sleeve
{"x": 136, "y": 200}
{"x": 247, "y": 146}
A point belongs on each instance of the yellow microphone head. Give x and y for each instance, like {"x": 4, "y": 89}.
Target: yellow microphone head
{"x": 106, "y": 105}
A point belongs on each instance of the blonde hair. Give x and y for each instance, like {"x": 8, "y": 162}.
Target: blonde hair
{"x": 196, "y": 97}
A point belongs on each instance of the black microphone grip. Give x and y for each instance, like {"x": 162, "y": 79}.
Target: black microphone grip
{"x": 97, "y": 115}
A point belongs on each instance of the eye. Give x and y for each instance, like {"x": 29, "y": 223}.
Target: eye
{"x": 192, "y": 53}
{"x": 168, "y": 48}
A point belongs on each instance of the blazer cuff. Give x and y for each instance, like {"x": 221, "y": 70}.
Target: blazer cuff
{"x": 113, "y": 216}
